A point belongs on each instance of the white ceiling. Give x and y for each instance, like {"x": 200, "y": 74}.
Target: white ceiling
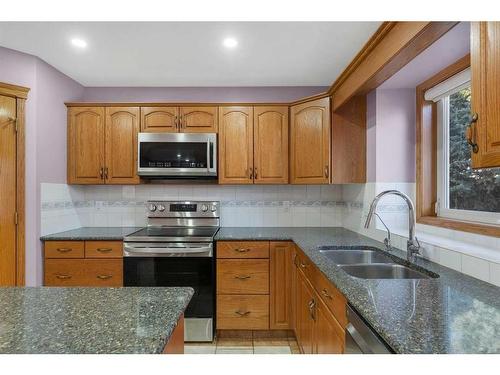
{"x": 191, "y": 53}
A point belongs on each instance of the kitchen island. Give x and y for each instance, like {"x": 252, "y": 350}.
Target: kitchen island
{"x": 91, "y": 320}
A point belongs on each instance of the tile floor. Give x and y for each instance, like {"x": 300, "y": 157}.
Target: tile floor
{"x": 251, "y": 345}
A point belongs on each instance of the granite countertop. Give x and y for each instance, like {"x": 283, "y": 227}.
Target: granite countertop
{"x": 92, "y": 233}
{"x": 89, "y": 320}
{"x": 454, "y": 313}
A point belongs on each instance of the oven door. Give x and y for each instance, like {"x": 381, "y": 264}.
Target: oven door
{"x": 177, "y": 155}
{"x": 177, "y": 265}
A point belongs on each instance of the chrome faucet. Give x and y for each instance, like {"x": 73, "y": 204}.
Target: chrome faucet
{"x": 412, "y": 245}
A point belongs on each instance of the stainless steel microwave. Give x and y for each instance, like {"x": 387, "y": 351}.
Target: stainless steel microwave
{"x": 177, "y": 155}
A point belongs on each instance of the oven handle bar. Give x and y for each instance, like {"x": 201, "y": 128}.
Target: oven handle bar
{"x": 166, "y": 251}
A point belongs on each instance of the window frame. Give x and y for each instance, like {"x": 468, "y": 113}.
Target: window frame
{"x": 427, "y": 163}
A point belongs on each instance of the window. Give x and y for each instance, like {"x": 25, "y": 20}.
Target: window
{"x": 462, "y": 192}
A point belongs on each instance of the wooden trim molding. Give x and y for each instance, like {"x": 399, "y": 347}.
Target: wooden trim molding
{"x": 426, "y": 161}
{"x": 20, "y": 197}
{"x": 392, "y": 47}
{"x": 14, "y": 91}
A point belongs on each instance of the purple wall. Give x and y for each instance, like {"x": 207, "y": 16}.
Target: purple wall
{"x": 45, "y": 137}
{"x": 200, "y": 94}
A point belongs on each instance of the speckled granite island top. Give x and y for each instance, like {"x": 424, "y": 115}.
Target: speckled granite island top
{"x": 454, "y": 313}
{"x": 89, "y": 320}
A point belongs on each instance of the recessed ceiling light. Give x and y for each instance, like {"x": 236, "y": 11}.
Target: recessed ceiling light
{"x": 230, "y": 42}
{"x": 80, "y": 43}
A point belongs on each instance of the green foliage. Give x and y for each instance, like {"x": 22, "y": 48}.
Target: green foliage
{"x": 470, "y": 189}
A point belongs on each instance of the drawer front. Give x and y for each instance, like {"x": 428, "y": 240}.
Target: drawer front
{"x": 103, "y": 249}
{"x": 245, "y": 276}
{"x": 243, "y": 249}
{"x": 83, "y": 272}
{"x": 333, "y": 299}
{"x": 242, "y": 312}
{"x": 64, "y": 249}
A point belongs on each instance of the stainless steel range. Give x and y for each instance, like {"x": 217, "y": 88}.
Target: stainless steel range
{"x": 176, "y": 249}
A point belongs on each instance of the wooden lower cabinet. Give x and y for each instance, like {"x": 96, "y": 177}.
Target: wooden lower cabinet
{"x": 243, "y": 312}
{"x": 320, "y": 316}
{"x": 83, "y": 263}
{"x": 304, "y": 320}
{"x": 280, "y": 289}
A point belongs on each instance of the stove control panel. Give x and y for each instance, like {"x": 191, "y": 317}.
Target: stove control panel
{"x": 161, "y": 209}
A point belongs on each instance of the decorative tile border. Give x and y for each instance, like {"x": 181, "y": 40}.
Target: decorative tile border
{"x": 60, "y": 205}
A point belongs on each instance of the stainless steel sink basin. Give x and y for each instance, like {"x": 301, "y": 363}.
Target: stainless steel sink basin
{"x": 383, "y": 271}
{"x": 356, "y": 256}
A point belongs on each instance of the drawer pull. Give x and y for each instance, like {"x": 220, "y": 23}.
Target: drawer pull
{"x": 63, "y": 277}
{"x": 242, "y": 277}
{"x": 64, "y": 249}
{"x": 104, "y": 249}
{"x": 242, "y": 250}
{"x": 303, "y": 265}
{"x": 104, "y": 277}
{"x": 242, "y": 313}
{"x": 326, "y": 294}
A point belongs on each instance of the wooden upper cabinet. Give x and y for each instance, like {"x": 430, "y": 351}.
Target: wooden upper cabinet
{"x": 271, "y": 145}
{"x": 198, "y": 119}
{"x": 485, "y": 70}
{"x": 310, "y": 142}
{"x": 235, "y": 145}
{"x": 85, "y": 145}
{"x": 159, "y": 119}
{"x": 122, "y": 127}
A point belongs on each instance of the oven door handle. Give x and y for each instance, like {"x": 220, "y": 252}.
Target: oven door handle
{"x": 158, "y": 251}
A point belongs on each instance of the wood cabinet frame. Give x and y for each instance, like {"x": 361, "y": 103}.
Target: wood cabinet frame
{"x": 20, "y": 94}
{"x": 426, "y": 163}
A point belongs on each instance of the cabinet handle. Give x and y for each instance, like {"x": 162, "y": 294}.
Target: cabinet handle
{"x": 242, "y": 250}
{"x": 104, "y": 277}
{"x": 326, "y": 294}
{"x": 303, "y": 265}
{"x": 63, "y": 277}
{"x": 312, "y": 307}
{"x": 242, "y": 277}
{"x": 64, "y": 250}
{"x": 104, "y": 249}
{"x": 255, "y": 173}
{"x": 326, "y": 171}
{"x": 106, "y": 173}
{"x": 101, "y": 173}
{"x": 250, "y": 173}
{"x": 470, "y": 133}
{"x": 176, "y": 123}
{"x": 181, "y": 124}
{"x": 242, "y": 313}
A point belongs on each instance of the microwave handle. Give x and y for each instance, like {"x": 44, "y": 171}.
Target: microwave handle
{"x": 210, "y": 156}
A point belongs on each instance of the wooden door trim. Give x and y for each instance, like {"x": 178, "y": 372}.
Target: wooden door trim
{"x": 8, "y": 89}
{"x": 21, "y": 94}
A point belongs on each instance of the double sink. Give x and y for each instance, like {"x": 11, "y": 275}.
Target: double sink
{"x": 366, "y": 262}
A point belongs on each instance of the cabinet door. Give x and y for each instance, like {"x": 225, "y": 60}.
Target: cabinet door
{"x": 198, "y": 119}
{"x": 281, "y": 285}
{"x": 8, "y": 188}
{"x": 329, "y": 337}
{"x": 160, "y": 119}
{"x": 235, "y": 145}
{"x": 85, "y": 145}
{"x": 304, "y": 314}
{"x": 485, "y": 69}
{"x": 271, "y": 145}
{"x": 122, "y": 127}
{"x": 310, "y": 142}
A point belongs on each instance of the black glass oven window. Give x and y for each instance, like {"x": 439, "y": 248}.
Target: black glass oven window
{"x": 173, "y": 155}
{"x": 197, "y": 273}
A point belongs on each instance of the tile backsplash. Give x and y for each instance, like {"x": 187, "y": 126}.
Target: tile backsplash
{"x": 66, "y": 207}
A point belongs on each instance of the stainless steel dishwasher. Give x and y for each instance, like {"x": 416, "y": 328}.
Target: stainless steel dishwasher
{"x": 360, "y": 338}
